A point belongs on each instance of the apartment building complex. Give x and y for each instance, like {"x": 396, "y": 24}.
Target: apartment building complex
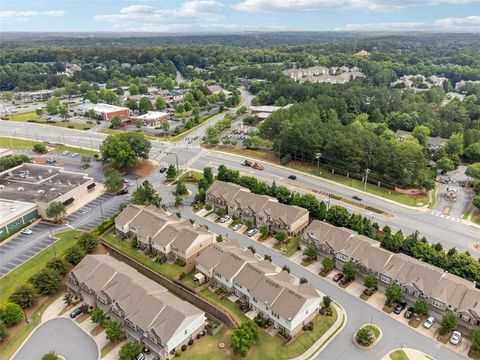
{"x": 417, "y": 279}
{"x": 162, "y": 232}
{"x": 147, "y": 311}
{"x": 239, "y": 202}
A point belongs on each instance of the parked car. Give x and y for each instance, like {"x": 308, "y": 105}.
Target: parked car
{"x": 247, "y": 163}
{"x": 162, "y": 170}
{"x": 27, "y": 232}
{"x": 224, "y": 218}
{"x": 409, "y": 313}
{"x": 455, "y": 338}
{"x": 356, "y": 197}
{"x": 75, "y": 313}
{"x": 65, "y": 153}
{"x": 122, "y": 192}
{"x": 292, "y": 177}
{"x": 140, "y": 356}
{"x": 399, "y": 308}
{"x": 338, "y": 277}
{"x": 429, "y": 322}
{"x": 74, "y": 155}
{"x": 236, "y": 227}
{"x": 125, "y": 181}
{"x": 257, "y": 166}
{"x": 252, "y": 232}
{"x": 51, "y": 161}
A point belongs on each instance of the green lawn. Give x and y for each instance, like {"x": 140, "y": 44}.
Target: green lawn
{"x": 188, "y": 280}
{"x": 225, "y": 304}
{"x": 170, "y": 271}
{"x": 8, "y": 143}
{"x": 270, "y": 347}
{"x": 290, "y": 247}
{"x": 21, "y": 274}
{"x": 207, "y": 347}
{"x": 357, "y": 184}
{"x": 184, "y": 134}
{"x": 374, "y": 329}
{"x": 14, "y": 342}
{"x": 398, "y": 355}
{"x": 191, "y": 176}
{"x": 434, "y": 196}
{"x": 33, "y": 117}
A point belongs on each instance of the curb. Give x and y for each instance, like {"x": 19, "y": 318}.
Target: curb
{"x": 372, "y": 345}
{"x": 420, "y": 208}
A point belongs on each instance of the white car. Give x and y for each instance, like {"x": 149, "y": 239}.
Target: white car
{"x": 236, "y": 227}
{"x": 74, "y": 154}
{"x": 224, "y": 218}
{"x": 455, "y": 338}
{"x": 65, "y": 153}
{"x": 429, "y": 322}
{"x": 27, "y": 232}
{"x": 251, "y": 232}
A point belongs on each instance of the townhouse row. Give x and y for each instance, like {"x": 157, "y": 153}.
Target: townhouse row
{"x": 272, "y": 294}
{"x": 240, "y": 203}
{"x": 146, "y": 310}
{"x": 163, "y": 233}
{"x": 417, "y": 279}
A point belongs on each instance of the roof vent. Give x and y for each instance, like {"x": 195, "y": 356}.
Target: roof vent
{"x": 41, "y": 191}
{"x": 20, "y": 189}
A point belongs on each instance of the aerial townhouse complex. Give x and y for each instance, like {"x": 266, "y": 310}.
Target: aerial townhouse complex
{"x": 444, "y": 291}
{"x": 239, "y": 202}
{"x": 163, "y": 233}
{"x": 272, "y": 294}
{"x": 147, "y": 311}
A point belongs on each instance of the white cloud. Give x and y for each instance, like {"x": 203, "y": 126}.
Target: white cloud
{"x": 395, "y": 26}
{"x": 23, "y": 15}
{"x": 469, "y": 23}
{"x": 188, "y": 17}
{"x": 315, "y": 5}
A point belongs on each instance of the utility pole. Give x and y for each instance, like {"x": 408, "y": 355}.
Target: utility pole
{"x": 318, "y": 156}
{"x": 91, "y": 143}
{"x": 367, "y": 171}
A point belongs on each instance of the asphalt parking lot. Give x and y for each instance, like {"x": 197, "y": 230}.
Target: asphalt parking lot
{"x": 62, "y": 336}
{"x": 21, "y": 248}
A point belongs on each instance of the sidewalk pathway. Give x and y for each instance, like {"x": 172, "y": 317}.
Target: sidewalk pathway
{"x": 329, "y": 335}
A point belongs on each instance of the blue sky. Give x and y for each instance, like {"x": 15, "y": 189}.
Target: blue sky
{"x": 196, "y": 16}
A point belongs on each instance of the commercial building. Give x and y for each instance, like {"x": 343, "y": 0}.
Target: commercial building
{"x": 152, "y": 118}
{"x": 271, "y": 294}
{"x": 261, "y": 209}
{"x": 148, "y": 312}
{"x": 264, "y": 111}
{"x": 107, "y": 111}
{"x": 163, "y": 233}
{"x": 15, "y": 214}
{"x": 42, "y": 185}
{"x": 416, "y": 278}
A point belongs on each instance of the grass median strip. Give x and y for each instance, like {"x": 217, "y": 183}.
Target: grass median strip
{"x": 9, "y": 143}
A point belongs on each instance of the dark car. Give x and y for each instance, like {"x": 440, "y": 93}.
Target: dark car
{"x": 162, "y": 170}
{"x": 292, "y": 177}
{"x": 51, "y": 161}
{"x": 122, "y": 192}
{"x": 356, "y": 197}
{"x": 400, "y": 306}
{"x": 409, "y": 313}
{"x": 75, "y": 313}
{"x": 338, "y": 277}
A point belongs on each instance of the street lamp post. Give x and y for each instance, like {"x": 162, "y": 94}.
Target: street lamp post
{"x": 318, "y": 156}
{"x": 367, "y": 171}
{"x": 53, "y": 243}
{"x": 176, "y": 157}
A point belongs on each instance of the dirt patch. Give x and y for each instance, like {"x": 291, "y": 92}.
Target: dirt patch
{"x": 144, "y": 168}
{"x": 39, "y": 160}
{"x": 100, "y": 249}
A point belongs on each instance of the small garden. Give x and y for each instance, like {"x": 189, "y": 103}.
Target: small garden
{"x": 367, "y": 335}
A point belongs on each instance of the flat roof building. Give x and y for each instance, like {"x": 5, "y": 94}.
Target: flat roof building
{"x": 15, "y": 214}
{"x": 152, "y": 118}
{"x": 107, "y": 111}
{"x": 42, "y": 184}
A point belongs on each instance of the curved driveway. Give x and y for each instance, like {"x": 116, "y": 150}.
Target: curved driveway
{"x": 62, "y": 336}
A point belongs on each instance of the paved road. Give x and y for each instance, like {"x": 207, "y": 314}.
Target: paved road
{"x": 464, "y": 197}
{"x": 449, "y": 231}
{"x": 62, "y": 336}
{"x": 395, "y": 334}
